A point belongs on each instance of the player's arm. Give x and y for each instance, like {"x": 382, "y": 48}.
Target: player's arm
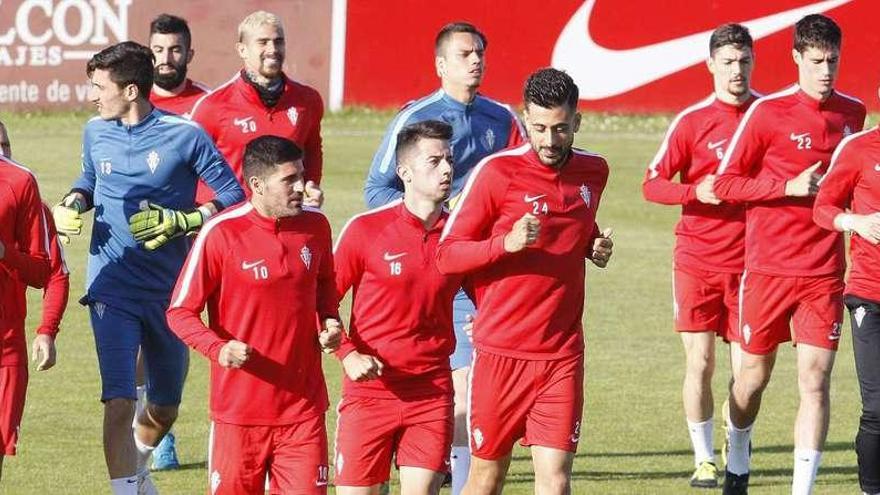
{"x": 313, "y": 151}
{"x": 383, "y": 185}
{"x": 349, "y": 270}
{"x": 735, "y": 180}
{"x": 28, "y": 256}
{"x": 55, "y": 296}
{"x": 327, "y": 299}
{"x": 835, "y": 197}
{"x": 199, "y": 279}
{"x": 213, "y": 169}
{"x": 467, "y": 243}
{"x": 67, "y": 214}
{"x": 672, "y": 157}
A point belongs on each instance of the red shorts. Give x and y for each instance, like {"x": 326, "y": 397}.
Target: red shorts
{"x": 13, "y": 389}
{"x": 705, "y": 300}
{"x": 369, "y": 431}
{"x": 772, "y": 305}
{"x": 538, "y": 401}
{"x": 294, "y": 456}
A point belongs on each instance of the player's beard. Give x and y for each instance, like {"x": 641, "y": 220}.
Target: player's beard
{"x": 170, "y": 80}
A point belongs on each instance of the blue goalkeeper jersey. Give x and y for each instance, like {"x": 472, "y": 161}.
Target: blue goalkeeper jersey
{"x": 160, "y": 159}
{"x": 479, "y": 129}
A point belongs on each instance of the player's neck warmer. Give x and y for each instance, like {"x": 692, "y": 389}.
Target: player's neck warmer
{"x": 269, "y": 94}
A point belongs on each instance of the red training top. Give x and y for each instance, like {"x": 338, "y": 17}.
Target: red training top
{"x": 183, "y": 102}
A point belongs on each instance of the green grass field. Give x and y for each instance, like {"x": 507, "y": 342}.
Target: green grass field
{"x": 634, "y": 439}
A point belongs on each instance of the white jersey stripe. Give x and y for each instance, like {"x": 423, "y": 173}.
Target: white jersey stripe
{"x": 840, "y": 147}
{"x": 664, "y": 146}
{"x": 363, "y": 214}
{"x": 521, "y": 150}
{"x": 198, "y": 249}
{"x": 848, "y": 97}
{"x": 398, "y": 125}
{"x": 209, "y": 93}
{"x": 735, "y": 140}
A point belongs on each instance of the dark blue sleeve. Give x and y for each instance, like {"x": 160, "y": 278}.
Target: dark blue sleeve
{"x": 383, "y": 185}
{"x": 86, "y": 181}
{"x": 210, "y": 165}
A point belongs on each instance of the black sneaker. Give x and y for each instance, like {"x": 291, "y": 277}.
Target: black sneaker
{"x": 735, "y": 484}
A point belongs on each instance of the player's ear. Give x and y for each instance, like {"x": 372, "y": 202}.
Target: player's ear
{"x": 710, "y": 64}
{"x": 440, "y": 65}
{"x": 796, "y": 56}
{"x": 131, "y": 92}
{"x": 404, "y": 173}
{"x": 577, "y": 122}
{"x": 255, "y": 184}
{"x": 241, "y": 48}
{"x": 189, "y": 55}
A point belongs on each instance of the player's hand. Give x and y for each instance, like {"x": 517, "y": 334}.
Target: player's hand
{"x": 330, "y": 335}
{"x": 155, "y": 225}
{"x": 234, "y": 354}
{"x": 361, "y": 367}
{"x": 524, "y": 233}
{"x": 602, "y": 249}
{"x": 806, "y": 183}
{"x": 67, "y": 216}
{"x": 867, "y": 226}
{"x": 706, "y": 191}
{"x": 313, "y": 195}
{"x": 469, "y": 327}
{"x": 43, "y": 352}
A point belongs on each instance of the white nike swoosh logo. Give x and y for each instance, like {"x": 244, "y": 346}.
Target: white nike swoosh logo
{"x": 624, "y": 70}
{"x": 712, "y": 145}
{"x": 247, "y": 266}
{"x": 795, "y": 137}
{"x": 877, "y": 167}
{"x": 529, "y": 199}
{"x": 392, "y": 257}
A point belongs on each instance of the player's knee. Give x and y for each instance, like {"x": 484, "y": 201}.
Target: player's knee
{"x": 162, "y": 415}
{"x": 814, "y": 382}
{"x": 119, "y": 411}
{"x": 484, "y": 480}
{"x": 556, "y": 483}
{"x": 701, "y": 365}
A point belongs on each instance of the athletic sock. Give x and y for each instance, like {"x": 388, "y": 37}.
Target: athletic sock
{"x": 124, "y": 486}
{"x": 738, "y": 455}
{"x": 806, "y": 465}
{"x": 459, "y": 464}
{"x": 139, "y": 404}
{"x": 701, "y": 440}
{"x": 143, "y": 453}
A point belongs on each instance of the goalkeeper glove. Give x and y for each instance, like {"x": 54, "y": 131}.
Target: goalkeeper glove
{"x": 68, "y": 218}
{"x": 155, "y": 225}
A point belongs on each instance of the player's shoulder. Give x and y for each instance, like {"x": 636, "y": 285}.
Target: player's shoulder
{"x": 502, "y": 164}
{"x": 305, "y": 92}
{"x": 368, "y": 221}
{"x": 849, "y": 104}
{"x": 501, "y": 111}
{"x": 197, "y": 87}
{"x": 778, "y": 100}
{"x": 589, "y": 159}
{"x": 226, "y": 220}
{"x": 428, "y": 106}
{"x": 177, "y": 123}
{"x": 220, "y": 95}
{"x": 15, "y": 172}
{"x": 858, "y": 141}
{"x": 694, "y": 112}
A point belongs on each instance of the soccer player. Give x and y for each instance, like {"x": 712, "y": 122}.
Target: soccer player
{"x": 522, "y": 230}
{"x": 173, "y": 92}
{"x": 709, "y": 247}
{"x": 5, "y": 145}
{"x": 261, "y": 100}
{"x": 481, "y": 126}
{"x": 793, "y": 268}
{"x": 397, "y": 392}
{"x": 171, "y": 43}
{"x": 853, "y": 183}
{"x": 24, "y": 261}
{"x": 139, "y": 171}
{"x": 264, "y": 269}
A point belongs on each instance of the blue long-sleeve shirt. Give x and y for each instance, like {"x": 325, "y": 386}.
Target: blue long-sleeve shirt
{"x": 479, "y": 129}
{"x": 160, "y": 159}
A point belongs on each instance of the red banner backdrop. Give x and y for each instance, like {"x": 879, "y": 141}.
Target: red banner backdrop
{"x": 633, "y": 56}
{"x": 45, "y": 44}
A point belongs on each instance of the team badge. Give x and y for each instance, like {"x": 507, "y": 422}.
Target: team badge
{"x": 478, "y": 437}
{"x": 100, "y": 308}
{"x": 859, "y": 315}
{"x": 340, "y": 462}
{"x": 153, "y": 161}
{"x": 305, "y": 254}
{"x": 215, "y": 481}
{"x": 585, "y": 194}
{"x": 576, "y": 435}
{"x": 846, "y": 130}
{"x": 747, "y": 333}
{"x": 489, "y": 140}
{"x": 293, "y": 115}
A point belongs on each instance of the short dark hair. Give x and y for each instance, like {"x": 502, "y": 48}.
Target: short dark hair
{"x": 128, "y": 63}
{"x": 551, "y": 88}
{"x": 171, "y": 24}
{"x": 448, "y": 30}
{"x": 264, "y": 153}
{"x": 730, "y": 34}
{"x": 410, "y": 135}
{"x": 816, "y": 31}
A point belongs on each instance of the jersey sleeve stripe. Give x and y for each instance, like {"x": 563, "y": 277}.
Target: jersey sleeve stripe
{"x": 470, "y": 182}
{"x": 742, "y": 125}
{"x": 848, "y": 97}
{"x": 840, "y": 147}
{"x": 402, "y": 120}
{"x": 664, "y": 146}
{"x": 199, "y": 247}
{"x": 350, "y": 221}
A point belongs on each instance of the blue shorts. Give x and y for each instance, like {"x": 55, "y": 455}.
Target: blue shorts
{"x": 464, "y": 350}
{"x": 121, "y": 327}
